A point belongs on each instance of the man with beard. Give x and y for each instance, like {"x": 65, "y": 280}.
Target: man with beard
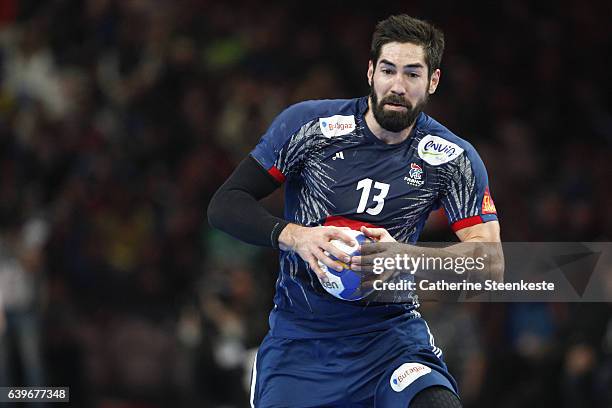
{"x": 376, "y": 164}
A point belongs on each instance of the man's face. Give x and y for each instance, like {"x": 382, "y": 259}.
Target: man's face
{"x": 399, "y": 86}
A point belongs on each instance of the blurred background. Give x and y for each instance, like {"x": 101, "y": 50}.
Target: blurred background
{"x": 120, "y": 118}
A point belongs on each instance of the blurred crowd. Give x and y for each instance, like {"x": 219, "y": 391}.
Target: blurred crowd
{"x": 120, "y": 118}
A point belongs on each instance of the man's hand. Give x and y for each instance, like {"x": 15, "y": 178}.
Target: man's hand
{"x": 365, "y": 262}
{"x": 377, "y": 250}
{"x": 430, "y": 263}
{"x": 378, "y": 234}
{"x": 310, "y": 243}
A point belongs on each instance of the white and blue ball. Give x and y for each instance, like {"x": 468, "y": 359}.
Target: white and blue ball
{"x": 345, "y": 284}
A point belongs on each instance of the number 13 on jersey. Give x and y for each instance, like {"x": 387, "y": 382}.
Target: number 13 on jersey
{"x": 379, "y": 197}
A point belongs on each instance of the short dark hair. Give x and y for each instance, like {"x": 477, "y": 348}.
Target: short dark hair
{"x": 405, "y": 29}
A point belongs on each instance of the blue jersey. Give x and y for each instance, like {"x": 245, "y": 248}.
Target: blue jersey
{"x": 338, "y": 173}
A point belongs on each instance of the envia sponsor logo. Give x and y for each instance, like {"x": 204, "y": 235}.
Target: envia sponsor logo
{"x": 436, "y": 150}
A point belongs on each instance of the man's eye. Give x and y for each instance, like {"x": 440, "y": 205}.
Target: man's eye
{"x": 386, "y": 71}
{"x": 413, "y": 75}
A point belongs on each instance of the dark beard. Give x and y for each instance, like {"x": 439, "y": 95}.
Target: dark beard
{"x": 395, "y": 121}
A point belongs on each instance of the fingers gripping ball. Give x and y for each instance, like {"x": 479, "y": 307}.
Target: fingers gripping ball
{"x": 345, "y": 284}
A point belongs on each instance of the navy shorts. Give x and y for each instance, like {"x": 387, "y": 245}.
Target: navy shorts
{"x": 380, "y": 369}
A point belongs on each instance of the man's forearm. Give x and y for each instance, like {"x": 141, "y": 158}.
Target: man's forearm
{"x": 236, "y": 210}
{"x": 474, "y": 261}
{"x": 489, "y": 255}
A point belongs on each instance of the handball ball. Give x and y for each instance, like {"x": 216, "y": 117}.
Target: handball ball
{"x": 345, "y": 284}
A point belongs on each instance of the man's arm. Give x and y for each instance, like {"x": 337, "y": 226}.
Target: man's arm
{"x": 235, "y": 207}
{"x": 486, "y": 232}
{"x": 489, "y": 234}
{"x": 481, "y": 240}
{"x": 236, "y": 210}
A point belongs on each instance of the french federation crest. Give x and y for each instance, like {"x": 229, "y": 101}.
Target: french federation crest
{"x": 415, "y": 175}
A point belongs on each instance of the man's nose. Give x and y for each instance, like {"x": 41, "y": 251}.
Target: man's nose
{"x": 398, "y": 87}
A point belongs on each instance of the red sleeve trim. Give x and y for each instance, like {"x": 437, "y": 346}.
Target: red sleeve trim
{"x": 466, "y": 222}
{"x": 276, "y": 173}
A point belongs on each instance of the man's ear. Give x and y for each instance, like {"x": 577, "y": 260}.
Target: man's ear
{"x": 434, "y": 81}
{"x": 370, "y": 72}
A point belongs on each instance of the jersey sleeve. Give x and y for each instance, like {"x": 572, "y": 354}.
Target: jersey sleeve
{"x": 283, "y": 148}
{"x": 466, "y": 197}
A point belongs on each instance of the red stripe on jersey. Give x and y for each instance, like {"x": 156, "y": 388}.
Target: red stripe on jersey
{"x": 276, "y": 173}
{"x": 466, "y": 222}
{"x": 339, "y": 221}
